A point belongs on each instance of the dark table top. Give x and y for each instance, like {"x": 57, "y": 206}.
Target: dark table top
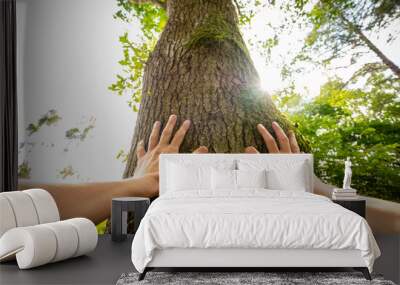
{"x": 102, "y": 266}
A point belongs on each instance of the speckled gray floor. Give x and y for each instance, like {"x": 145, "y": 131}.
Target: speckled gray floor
{"x": 229, "y": 278}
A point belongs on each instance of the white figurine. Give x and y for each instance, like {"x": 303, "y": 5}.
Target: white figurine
{"x": 347, "y": 174}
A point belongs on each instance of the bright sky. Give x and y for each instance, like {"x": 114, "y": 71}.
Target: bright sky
{"x": 307, "y": 84}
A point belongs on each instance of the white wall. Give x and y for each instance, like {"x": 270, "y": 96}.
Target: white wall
{"x": 68, "y": 54}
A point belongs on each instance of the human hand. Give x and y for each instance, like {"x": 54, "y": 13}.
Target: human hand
{"x": 148, "y": 160}
{"x": 287, "y": 144}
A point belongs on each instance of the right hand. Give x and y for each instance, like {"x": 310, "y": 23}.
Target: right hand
{"x": 287, "y": 143}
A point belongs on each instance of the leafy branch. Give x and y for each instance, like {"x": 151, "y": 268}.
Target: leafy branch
{"x": 135, "y": 54}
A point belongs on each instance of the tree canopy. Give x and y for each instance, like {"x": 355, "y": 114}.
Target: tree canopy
{"x": 357, "y": 110}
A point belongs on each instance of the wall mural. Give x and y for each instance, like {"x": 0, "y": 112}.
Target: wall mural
{"x": 73, "y": 137}
{"x": 340, "y": 97}
{"x": 338, "y": 91}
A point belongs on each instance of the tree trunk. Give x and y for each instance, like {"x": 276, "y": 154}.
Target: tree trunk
{"x": 201, "y": 70}
{"x": 390, "y": 64}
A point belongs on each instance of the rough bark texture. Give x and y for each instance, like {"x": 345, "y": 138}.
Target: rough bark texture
{"x": 200, "y": 70}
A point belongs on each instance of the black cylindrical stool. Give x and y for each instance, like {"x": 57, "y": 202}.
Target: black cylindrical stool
{"x": 119, "y": 215}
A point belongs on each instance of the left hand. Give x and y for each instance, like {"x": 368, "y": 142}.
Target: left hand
{"x": 148, "y": 160}
{"x": 287, "y": 143}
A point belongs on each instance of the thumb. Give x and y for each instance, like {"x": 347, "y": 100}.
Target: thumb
{"x": 201, "y": 149}
{"x": 250, "y": 149}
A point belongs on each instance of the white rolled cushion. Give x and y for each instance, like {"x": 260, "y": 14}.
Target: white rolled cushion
{"x": 223, "y": 179}
{"x": 67, "y": 240}
{"x": 183, "y": 178}
{"x": 251, "y": 178}
{"x": 23, "y": 208}
{"x": 7, "y": 218}
{"x": 87, "y": 235}
{"x": 45, "y": 205}
{"x": 33, "y": 246}
{"x": 37, "y": 245}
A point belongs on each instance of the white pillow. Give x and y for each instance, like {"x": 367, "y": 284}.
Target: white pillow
{"x": 292, "y": 179}
{"x": 251, "y": 178}
{"x": 182, "y": 177}
{"x": 283, "y": 173}
{"x": 223, "y": 179}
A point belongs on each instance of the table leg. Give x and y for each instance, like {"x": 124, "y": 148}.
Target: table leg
{"x": 116, "y": 222}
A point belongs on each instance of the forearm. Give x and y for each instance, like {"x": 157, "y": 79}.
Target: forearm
{"x": 91, "y": 200}
{"x": 322, "y": 188}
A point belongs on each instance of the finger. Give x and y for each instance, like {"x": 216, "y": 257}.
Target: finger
{"x": 201, "y": 149}
{"x": 167, "y": 132}
{"x": 180, "y": 134}
{"x": 268, "y": 139}
{"x": 140, "y": 151}
{"x": 282, "y": 138}
{"x": 250, "y": 149}
{"x": 155, "y": 134}
{"x": 293, "y": 142}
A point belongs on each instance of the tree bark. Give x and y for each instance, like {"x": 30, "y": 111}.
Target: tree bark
{"x": 201, "y": 70}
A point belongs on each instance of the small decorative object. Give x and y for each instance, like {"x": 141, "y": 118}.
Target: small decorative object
{"x": 347, "y": 174}
{"x": 346, "y": 192}
{"x": 119, "y": 215}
